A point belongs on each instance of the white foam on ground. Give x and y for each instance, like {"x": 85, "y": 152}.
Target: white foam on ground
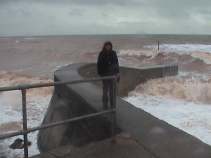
{"x": 192, "y": 118}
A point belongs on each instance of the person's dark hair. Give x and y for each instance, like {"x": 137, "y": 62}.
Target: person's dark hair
{"x": 107, "y": 43}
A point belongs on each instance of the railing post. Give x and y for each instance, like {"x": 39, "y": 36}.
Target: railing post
{"x": 25, "y": 130}
{"x": 158, "y": 45}
{"x": 24, "y": 112}
{"x": 113, "y": 114}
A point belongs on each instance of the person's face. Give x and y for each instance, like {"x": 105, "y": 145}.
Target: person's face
{"x": 108, "y": 47}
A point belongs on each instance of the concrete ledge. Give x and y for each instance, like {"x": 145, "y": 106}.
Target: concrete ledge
{"x": 123, "y": 148}
{"x": 131, "y": 77}
{"x": 162, "y": 139}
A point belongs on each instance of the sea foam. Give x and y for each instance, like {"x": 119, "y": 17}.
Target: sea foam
{"x": 181, "y": 47}
{"x": 192, "y": 118}
{"x": 11, "y": 111}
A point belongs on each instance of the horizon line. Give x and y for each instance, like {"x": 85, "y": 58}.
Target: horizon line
{"x": 128, "y": 34}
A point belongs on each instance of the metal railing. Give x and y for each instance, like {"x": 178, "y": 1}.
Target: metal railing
{"x": 25, "y": 130}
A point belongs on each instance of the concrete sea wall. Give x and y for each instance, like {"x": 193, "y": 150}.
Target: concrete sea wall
{"x": 69, "y": 101}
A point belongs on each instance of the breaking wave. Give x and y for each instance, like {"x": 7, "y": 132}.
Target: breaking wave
{"x": 196, "y": 61}
{"x": 13, "y": 79}
{"x": 10, "y": 113}
{"x": 181, "y": 48}
{"x": 188, "y": 87}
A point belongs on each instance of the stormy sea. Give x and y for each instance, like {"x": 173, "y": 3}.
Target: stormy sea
{"x": 183, "y": 101}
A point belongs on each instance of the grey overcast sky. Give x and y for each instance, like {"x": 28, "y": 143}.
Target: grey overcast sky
{"x": 55, "y": 17}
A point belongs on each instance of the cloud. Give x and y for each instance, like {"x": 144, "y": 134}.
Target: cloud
{"x": 73, "y": 2}
{"x": 18, "y": 17}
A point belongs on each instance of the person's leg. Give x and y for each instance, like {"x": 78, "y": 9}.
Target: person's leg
{"x": 111, "y": 93}
{"x": 105, "y": 94}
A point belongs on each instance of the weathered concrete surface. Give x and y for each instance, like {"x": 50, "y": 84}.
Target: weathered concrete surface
{"x": 162, "y": 139}
{"x": 67, "y": 104}
{"x": 124, "y": 147}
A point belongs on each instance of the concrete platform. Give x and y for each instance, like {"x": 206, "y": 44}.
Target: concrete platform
{"x": 124, "y": 147}
{"x": 154, "y": 136}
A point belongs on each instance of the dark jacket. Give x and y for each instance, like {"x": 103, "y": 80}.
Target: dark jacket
{"x": 107, "y": 63}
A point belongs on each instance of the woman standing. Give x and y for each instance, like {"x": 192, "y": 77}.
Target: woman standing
{"x": 108, "y": 65}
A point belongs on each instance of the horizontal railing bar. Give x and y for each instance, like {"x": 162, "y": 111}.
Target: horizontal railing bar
{"x": 9, "y": 135}
{"x": 50, "y": 84}
{"x": 70, "y": 120}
